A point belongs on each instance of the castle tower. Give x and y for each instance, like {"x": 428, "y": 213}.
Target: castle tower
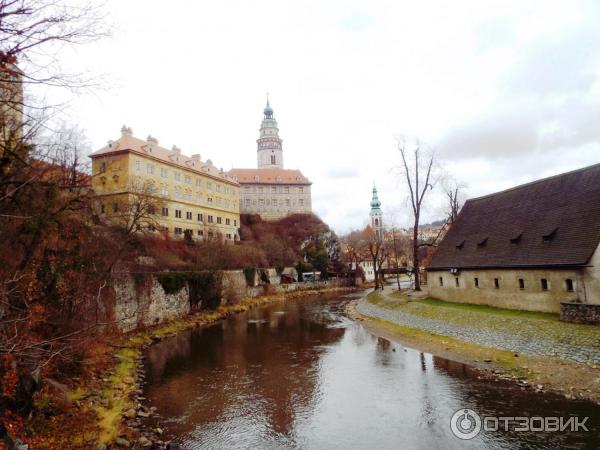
{"x": 376, "y": 215}
{"x": 269, "y": 152}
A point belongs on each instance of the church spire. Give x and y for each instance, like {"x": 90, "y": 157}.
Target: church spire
{"x": 376, "y": 215}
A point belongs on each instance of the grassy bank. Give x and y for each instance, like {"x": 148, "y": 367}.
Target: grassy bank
{"x": 567, "y": 378}
{"x": 99, "y": 408}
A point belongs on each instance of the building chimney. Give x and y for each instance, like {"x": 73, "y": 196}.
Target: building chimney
{"x": 176, "y": 150}
{"x": 196, "y": 157}
{"x": 152, "y": 139}
{"x": 125, "y": 130}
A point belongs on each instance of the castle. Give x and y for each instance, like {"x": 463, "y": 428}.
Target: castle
{"x": 270, "y": 190}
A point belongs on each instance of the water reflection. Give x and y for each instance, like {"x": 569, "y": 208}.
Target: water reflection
{"x": 301, "y": 375}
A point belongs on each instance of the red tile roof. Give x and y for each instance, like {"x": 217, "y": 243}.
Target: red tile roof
{"x": 268, "y": 176}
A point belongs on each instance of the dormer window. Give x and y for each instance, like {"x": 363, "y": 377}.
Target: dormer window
{"x": 550, "y": 235}
{"x": 460, "y": 245}
{"x": 515, "y": 240}
{"x": 482, "y": 242}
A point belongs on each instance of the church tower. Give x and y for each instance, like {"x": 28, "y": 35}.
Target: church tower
{"x": 376, "y": 215}
{"x": 269, "y": 152}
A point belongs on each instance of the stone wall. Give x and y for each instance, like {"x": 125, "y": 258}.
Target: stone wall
{"x": 508, "y": 294}
{"x": 140, "y": 300}
{"x": 580, "y": 313}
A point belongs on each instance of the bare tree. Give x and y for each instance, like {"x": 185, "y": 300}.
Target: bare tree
{"x": 355, "y": 249}
{"x": 137, "y": 211}
{"x": 454, "y": 192}
{"x": 417, "y": 168}
{"x": 378, "y": 252}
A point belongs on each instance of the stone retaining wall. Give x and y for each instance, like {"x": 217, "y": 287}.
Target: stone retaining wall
{"x": 580, "y": 313}
{"x": 140, "y": 299}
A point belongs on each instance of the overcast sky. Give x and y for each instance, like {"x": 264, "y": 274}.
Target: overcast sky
{"x": 505, "y": 92}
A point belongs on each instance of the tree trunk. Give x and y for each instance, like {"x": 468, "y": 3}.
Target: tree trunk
{"x": 416, "y": 254}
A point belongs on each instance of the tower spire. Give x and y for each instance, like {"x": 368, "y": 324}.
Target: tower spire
{"x": 269, "y": 151}
{"x": 376, "y": 215}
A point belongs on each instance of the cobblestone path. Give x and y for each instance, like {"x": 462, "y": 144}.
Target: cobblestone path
{"x": 529, "y": 336}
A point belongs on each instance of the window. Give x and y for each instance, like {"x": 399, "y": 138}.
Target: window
{"x": 209, "y": 186}
{"x": 102, "y": 167}
{"x": 229, "y": 236}
{"x": 178, "y": 230}
{"x": 521, "y": 283}
{"x": 178, "y": 213}
{"x": 164, "y": 172}
{"x": 300, "y": 189}
{"x": 219, "y": 220}
{"x": 218, "y": 187}
{"x": 115, "y": 206}
{"x": 286, "y": 189}
{"x": 177, "y": 194}
{"x": 287, "y": 202}
{"x": 544, "y": 284}
{"x": 456, "y": 282}
{"x": 149, "y": 169}
{"x": 301, "y": 202}
{"x": 476, "y": 282}
{"x": 187, "y": 179}
{"x": 188, "y": 215}
{"x": 165, "y": 212}
{"x": 187, "y": 196}
{"x": 209, "y": 200}
{"x": 496, "y": 283}
{"x": 235, "y": 222}
{"x": 199, "y": 198}
{"x": 177, "y": 176}
{"x": 260, "y": 189}
{"x": 274, "y": 189}
{"x": 164, "y": 191}
{"x": 138, "y": 165}
{"x": 102, "y": 208}
{"x": 272, "y": 159}
{"x": 441, "y": 280}
{"x": 210, "y": 219}
{"x": 227, "y": 221}
{"x": 198, "y": 182}
{"x": 200, "y": 217}
{"x": 200, "y": 233}
{"x": 569, "y": 285}
{"x": 247, "y": 201}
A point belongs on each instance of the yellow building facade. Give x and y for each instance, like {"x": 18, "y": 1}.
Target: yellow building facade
{"x": 181, "y": 194}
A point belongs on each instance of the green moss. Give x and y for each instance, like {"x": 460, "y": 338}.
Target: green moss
{"x": 121, "y": 384}
{"x": 250, "y": 274}
{"x": 172, "y": 282}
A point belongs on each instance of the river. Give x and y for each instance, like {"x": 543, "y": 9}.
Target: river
{"x": 300, "y": 374}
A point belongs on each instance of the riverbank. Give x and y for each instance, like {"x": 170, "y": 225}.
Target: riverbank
{"x": 524, "y": 351}
{"x": 106, "y": 409}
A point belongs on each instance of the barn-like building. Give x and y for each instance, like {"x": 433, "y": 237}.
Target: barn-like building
{"x": 530, "y": 247}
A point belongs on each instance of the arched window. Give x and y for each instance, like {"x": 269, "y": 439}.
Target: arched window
{"x": 376, "y": 222}
{"x": 272, "y": 159}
